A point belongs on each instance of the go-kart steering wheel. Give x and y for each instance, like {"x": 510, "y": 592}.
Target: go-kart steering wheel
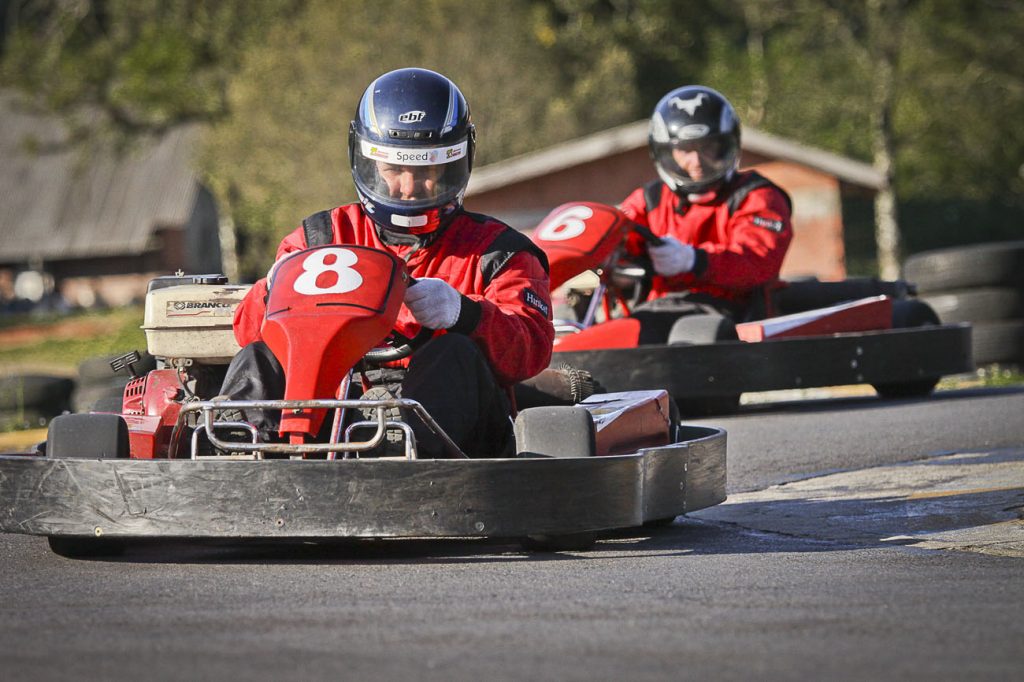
{"x": 392, "y": 352}
{"x": 632, "y": 275}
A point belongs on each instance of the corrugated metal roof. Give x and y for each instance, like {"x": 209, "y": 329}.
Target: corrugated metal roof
{"x": 59, "y": 204}
{"x": 634, "y": 136}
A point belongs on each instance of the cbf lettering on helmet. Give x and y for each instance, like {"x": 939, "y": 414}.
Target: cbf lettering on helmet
{"x": 724, "y": 232}
{"x": 411, "y": 149}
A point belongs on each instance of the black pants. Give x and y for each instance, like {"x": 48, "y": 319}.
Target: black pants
{"x": 449, "y": 376}
{"x": 707, "y": 319}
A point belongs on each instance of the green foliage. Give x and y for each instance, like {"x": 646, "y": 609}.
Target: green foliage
{"x": 277, "y": 82}
{"x": 63, "y": 343}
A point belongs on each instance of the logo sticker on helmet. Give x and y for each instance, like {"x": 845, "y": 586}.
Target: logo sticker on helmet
{"x": 688, "y": 105}
{"x": 413, "y": 156}
{"x": 412, "y": 117}
{"x": 693, "y": 131}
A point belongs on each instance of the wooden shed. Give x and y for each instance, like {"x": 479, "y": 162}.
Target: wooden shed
{"x": 95, "y": 223}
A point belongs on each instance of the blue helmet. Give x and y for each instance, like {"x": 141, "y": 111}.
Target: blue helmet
{"x": 411, "y": 149}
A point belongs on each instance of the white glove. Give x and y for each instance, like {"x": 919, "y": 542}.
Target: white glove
{"x": 672, "y": 257}
{"x": 434, "y": 303}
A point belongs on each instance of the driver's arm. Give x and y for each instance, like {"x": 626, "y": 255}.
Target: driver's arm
{"x": 514, "y": 329}
{"x": 249, "y": 313}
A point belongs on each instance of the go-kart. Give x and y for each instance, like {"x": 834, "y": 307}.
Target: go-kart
{"x": 178, "y": 462}
{"x": 799, "y": 334}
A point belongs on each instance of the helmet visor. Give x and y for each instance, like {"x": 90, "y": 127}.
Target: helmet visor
{"x": 411, "y": 177}
{"x": 696, "y": 163}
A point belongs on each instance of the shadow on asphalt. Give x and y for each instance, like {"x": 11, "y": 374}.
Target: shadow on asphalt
{"x": 684, "y": 537}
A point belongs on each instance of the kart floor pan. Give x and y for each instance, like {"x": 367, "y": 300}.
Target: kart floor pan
{"x": 126, "y": 498}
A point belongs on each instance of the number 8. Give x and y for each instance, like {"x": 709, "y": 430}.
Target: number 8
{"x": 315, "y": 265}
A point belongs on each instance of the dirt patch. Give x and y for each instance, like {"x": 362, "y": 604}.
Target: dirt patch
{"x": 14, "y": 337}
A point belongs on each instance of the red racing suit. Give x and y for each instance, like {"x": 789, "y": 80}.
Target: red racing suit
{"x": 506, "y": 304}
{"x": 741, "y": 235}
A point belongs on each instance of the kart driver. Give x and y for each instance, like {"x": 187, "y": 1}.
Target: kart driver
{"x": 482, "y": 285}
{"x": 724, "y": 233}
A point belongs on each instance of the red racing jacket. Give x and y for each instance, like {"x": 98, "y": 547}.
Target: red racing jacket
{"x": 506, "y": 305}
{"x": 740, "y": 236}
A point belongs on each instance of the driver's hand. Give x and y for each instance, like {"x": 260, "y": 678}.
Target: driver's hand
{"x": 672, "y": 257}
{"x": 433, "y": 303}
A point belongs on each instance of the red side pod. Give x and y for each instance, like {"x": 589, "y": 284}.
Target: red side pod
{"x": 623, "y": 332}
{"x": 327, "y": 307}
{"x": 151, "y": 408}
{"x": 579, "y": 236}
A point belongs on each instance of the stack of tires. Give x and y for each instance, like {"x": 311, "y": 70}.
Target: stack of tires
{"x": 99, "y": 388}
{"x": 982, "y": 284}
{"x": 30, "y": 400}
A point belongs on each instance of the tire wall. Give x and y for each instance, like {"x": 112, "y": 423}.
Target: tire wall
{"x": 982, "y": 284}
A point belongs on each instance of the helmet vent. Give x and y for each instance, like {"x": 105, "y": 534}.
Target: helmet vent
{"x": 411, "y": 134}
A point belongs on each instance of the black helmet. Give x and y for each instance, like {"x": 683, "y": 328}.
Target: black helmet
{"x": 694, "y": 119}
{"x": 411, "y": 150}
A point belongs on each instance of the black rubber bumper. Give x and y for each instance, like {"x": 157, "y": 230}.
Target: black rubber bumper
{"x": 360, "y": 498}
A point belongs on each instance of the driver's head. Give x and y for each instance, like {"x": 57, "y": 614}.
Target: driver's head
{"x": 694, "y": 139}
{"x": 411, "y": 148}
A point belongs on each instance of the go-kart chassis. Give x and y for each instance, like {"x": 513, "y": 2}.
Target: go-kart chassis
{"x": 890, "y": 357}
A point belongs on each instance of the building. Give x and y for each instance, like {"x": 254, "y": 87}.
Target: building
{"x": 91, "y": 225}
{"x": 607, "y": 166}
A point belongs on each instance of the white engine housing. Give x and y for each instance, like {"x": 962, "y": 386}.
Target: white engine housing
{"x": 193, "y": 321}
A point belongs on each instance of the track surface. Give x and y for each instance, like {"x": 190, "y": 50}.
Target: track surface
{"x": 720, "y": 595}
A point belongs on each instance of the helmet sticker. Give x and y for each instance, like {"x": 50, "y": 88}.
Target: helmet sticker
{"x": 412, "y": 156}
{"x": 412, "y": 117}
{"x": 693, "y": 131}
{"x": 688, "y": 105}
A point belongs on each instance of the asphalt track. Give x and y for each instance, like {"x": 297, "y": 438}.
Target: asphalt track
{"x": 863, "y": 539}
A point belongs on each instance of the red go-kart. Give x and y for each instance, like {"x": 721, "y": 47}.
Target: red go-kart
{"x": 802, "y": 334}
{"x": 170, "y": 465}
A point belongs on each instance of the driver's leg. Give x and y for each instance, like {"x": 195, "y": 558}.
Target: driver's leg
{"x": 453, "y": 381}
{"x": 255, "y": 374}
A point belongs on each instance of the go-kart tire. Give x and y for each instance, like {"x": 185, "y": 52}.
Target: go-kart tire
{"x": 977, "y": 265}
{"x": 555, "y": 431}
{"x": 108, "y": 397}
{"x": 1002, "y": 341}
{"x": 88, "y": 436}
{"x": 45, "y": 393}
{"x": 702, "y": 329}
{"x": 74, "y": 547}
{"x": 567, "y": 542}
{"x": 907, "y": 314}
{"x": 984, "y": 304}
{"x": 28, "y": 418}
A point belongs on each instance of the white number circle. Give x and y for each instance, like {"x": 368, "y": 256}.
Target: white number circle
{"x": 566, "y": 225}
{"x": 315, "y": 265}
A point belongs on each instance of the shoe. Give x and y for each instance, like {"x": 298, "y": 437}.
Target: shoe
{"x": 394, "y": 441}
{"x": 229, "y": 415}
